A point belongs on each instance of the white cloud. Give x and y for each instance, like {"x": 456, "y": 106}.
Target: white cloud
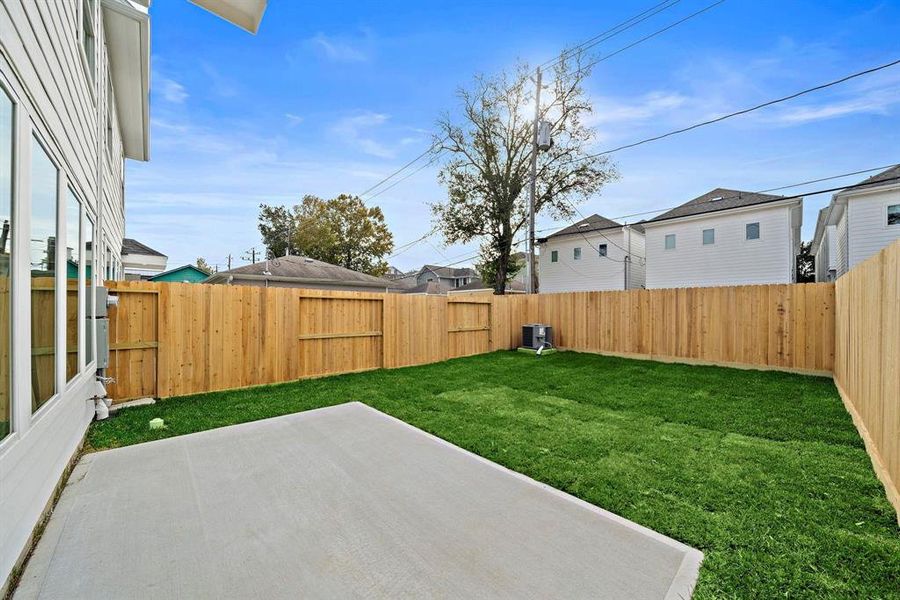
{"x": 342, "y": 48}
{"x": 292, "y": 119}
{"x": 171, "y": 90}
{"x": 355, "y": 131}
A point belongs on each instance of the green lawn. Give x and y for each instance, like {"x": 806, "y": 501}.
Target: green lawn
{"x": 764, "y": 472}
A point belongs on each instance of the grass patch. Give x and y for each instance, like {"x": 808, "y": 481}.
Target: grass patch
{"x": 762, "y": 471}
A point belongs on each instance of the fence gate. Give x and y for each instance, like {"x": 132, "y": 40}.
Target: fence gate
{"x": 340, "y": 335}
{"x": 468, "y": 326}
{"x": 133, "y": 343}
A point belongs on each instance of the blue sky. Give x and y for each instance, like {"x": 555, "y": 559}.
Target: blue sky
{"x": 329, "y": 98}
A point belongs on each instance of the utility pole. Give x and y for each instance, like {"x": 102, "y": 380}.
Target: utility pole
{"x": 531, "y": 283}
{"x": 252, "y": 255}
{"x": 229, "y": 262}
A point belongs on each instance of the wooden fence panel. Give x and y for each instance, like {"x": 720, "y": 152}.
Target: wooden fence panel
{"x": 867, "y": 353}
{"x": 200, "y": 338}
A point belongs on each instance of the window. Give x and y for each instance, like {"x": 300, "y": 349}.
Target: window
{"x": 670, "y": 241}
{"x": 709, "y": 237}
{"x": 752, "y": 231}
{"x": 577, "y": 254}
{"x": 43, "y": 275}
{"x": 602, "y": 249}
{"x": 554, "y": 256}
{"x": 6, "y": 162}
{"x": 73, "y": 283}
{"x": 88, "y": 37}
{"x": 89, "y": 286}
{"x": 893, "y": 214}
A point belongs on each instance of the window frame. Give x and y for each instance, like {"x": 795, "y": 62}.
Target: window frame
{"x": 602, "y": 250}
{"x": 80, "y": 284}
{"x": 576, "y": 253}
{"x": 887, "y": 214}
{"x": 89, "y": 63}
{"x": 666, "y": 238}
{"x": 747, "y": 231}
{"x": 554, "y": 256}
{"x": 59, "y": 375}
{"x": 14, "y": 414}
{"x": 712, "y": 242}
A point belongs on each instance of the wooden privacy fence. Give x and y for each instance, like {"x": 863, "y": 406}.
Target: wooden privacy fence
{"x": 867, "y": 359}
{"x": 171, "y": 339}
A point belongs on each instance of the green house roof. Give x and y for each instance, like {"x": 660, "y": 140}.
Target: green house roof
{"x": 186, "y": 273}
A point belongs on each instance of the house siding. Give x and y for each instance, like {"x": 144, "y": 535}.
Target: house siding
{"x": 867, "y": 228}
{"x": 843, "y": 244}
{"x": 43, "y": 69}
{"x": 732, "y": 259}
{"x": 592, "y": 272}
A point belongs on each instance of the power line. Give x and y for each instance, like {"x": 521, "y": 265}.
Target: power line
{"x": 407, "y": 176}
{"x": 404, "y": 167}
{"x": 739, "y": 112}
{"x": 650, "y": 36}
{"x": 612, "y": 32}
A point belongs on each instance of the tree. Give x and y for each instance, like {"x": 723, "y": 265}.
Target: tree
{"x": 204, "y": 266}
{"x": 277, "y": 225}
{"x": 806, "y": 264}
{"x": 488, "y": 170}
{"x": 342, "y": 231}
{"x": 487, "y": 269}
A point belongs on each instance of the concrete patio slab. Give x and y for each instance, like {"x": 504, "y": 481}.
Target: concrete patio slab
{"x": 341, "y": 502}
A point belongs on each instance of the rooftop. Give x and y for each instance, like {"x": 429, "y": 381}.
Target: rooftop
{"x": 716, "y": 200}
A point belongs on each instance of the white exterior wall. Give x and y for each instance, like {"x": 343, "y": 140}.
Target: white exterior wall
{"x": 732, "y": 259}
{"x": 826, "y": 254}
{"x": 637, "y": 278}
{"x": 44, "y": 70}
{"x": 592, "y": 272}
{"x": 843, "y": 245}
{"x": 867, "y": 228}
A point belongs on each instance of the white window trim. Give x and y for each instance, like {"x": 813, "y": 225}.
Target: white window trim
{"x": 666, "y": 241}
{"x": 92, "y": 75}
{"x": 757, "y": 238}
{"x": 887, "y": 205}
{"x": 703, "y": 237}
{"x": 576, "y": 253}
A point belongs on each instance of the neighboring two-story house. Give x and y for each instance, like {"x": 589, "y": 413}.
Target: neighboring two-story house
{"x": 725, "y": 237}
{"x": 447, "y": 277}
{"x": 859, "y": 221}
{"x": 74, "y": 104}
{"x": 594, "y": 254}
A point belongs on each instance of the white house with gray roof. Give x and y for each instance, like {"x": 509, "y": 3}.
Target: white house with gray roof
{"x": 725, "y": 237}
{"x": 594, "y": 254}
{"x": 859, "y": 221}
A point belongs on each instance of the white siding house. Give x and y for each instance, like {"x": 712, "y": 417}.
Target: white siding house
{"x": 859, "y": 221}
{"x": 725, "y": 237}
{"x": 74, "y": 84}
{"x": 594, "y": 254}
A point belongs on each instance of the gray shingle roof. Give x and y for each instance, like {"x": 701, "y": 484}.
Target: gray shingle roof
{"x": 301, "y": 267}
{"x": 132, "y": 246}
{"x": 591, "y": 223}
{"x": 884, "y": 177}
{"x": 451, "y": 271}
{"x": 714, "y": 201}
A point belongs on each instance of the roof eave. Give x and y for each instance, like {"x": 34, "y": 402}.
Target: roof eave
{"x": 224, "y": 275}
{"x": 246, "y": 14}
{"x": 127, "y": 27}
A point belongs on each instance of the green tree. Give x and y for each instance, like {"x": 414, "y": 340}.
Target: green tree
{"x": 204, "y": 266}
{"x": 488, "y": 169}
{"x": 487, "y": 269}
{"x": 806, "y": 264}
{"x": 277, "y": 225}
{"x": 342, "y": 231}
